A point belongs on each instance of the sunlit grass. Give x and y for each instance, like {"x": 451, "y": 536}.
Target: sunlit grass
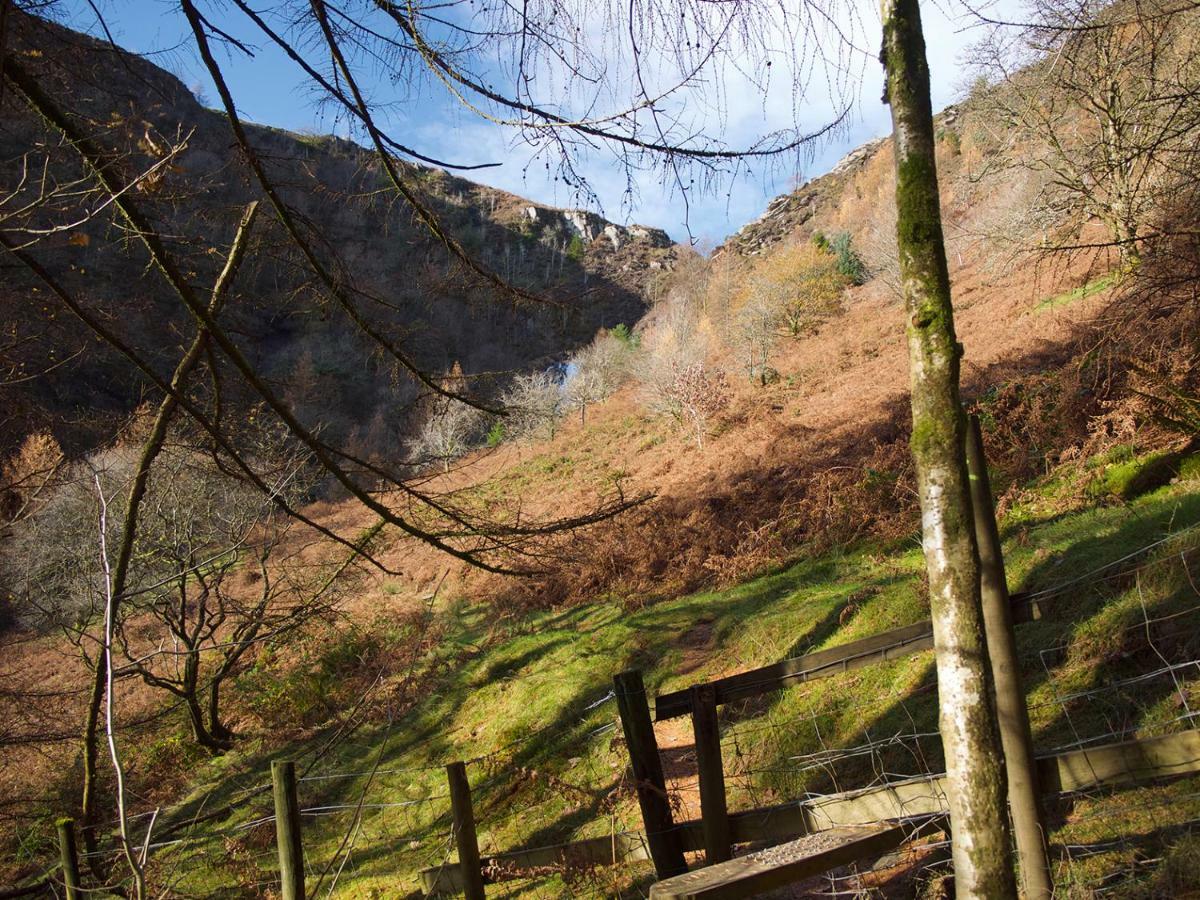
{"x": 524, "y": 694}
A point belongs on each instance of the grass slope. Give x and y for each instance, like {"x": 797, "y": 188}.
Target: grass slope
{"x": 526, "y": 701}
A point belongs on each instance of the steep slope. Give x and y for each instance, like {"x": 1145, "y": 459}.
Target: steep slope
{"x": 818, "y": 455}
{"x": 592, "y": 272}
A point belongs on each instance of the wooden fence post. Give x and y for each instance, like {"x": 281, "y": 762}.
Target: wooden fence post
{"x": 714, "y": 813}
{"x": 666, "y": 847}
{"x": 464, "y": 830}
{"x": 1011, "y": 710}
{"x": 69, "y": 856}
{"x": 287, "y": 829}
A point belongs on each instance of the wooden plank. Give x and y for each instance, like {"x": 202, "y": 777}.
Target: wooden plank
{"x": 821, "y": 664}
{"x": 714, "y": 812}
{"x": 910, "y": 797}
{"x": 1129, "y": 762}
{"x": 1107, "y": 766}
{"x": 644, "y": 758}
{"x": 777, "y": 866}
{"x": 771, "y": 823}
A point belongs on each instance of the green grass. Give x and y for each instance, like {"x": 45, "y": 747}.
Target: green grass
{"x": 490, "y": 685}
{"x": 1093, "y": 287}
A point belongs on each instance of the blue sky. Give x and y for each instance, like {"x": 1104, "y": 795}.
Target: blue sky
{"x": 270, "y": 90}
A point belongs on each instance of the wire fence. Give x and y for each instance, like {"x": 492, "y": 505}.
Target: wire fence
{"x": 1116, "y": 656}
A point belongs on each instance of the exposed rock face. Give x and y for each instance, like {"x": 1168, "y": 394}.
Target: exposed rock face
{"x": 588, "y": 226}
{"x": 789, "y": 211}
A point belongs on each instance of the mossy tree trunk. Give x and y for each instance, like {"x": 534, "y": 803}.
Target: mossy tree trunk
{"x": 974, "y": 760}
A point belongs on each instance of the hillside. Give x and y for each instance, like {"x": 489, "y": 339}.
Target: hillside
{"x": 593, "y": 273}
{"x": 777, "y": 518}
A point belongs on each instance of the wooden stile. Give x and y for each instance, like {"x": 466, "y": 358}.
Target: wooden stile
{"x": 714, "y": 812}
{"x": 1109, "y": 766}
{"x": 666, "y": 849}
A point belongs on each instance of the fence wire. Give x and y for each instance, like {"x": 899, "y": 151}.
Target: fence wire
{"x": 1124, "y": 664}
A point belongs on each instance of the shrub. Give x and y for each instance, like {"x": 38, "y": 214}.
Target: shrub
{"x": 575, "y": 248}
{"x": 849, "y": 263}
{"x": 495, "y": 435}
{"x": 623, "y": 334}
{"x": 692, "y": 394}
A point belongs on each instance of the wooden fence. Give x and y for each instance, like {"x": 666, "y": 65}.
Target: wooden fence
{"x": 1110, "y": 766}
{"x": 664, "y": 841}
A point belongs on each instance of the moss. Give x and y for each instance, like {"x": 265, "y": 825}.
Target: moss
{"x": 1189, "y": 467}
{"x": 922, "y": 434}
{"x": 1095, "y": 286}
{"x": 1127, "y": 476}
{"x": 917, "y": 213}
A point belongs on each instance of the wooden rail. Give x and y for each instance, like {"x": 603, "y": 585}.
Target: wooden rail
{"x": 775, "y": 867}
{"x": 1108, "y": 766}
{"x": 877, "y": 648}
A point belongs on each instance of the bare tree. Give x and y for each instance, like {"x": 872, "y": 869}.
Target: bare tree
{"x": 1107, "y": 96}
{"x": 451, "y": 430}
{"x": 595, "y": 372}
{"x": 534, "y": 404}
{"x": 226, "y": 572}
{"x": 210, "y": 575}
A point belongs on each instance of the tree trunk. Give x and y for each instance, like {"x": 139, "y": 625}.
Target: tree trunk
{"x": 974, "y": 762}
{"x": 191, "y": 701}
{"x": 150, "y": 450}
{"x": 200, "y": 731}
{"x": 91, "y": 752}
{"x": 216, "y": 727}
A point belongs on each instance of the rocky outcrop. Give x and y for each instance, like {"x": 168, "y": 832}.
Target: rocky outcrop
{"x": 588, "y": 226}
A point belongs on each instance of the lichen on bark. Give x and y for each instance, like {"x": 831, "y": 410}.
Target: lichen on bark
{"x": 974, "y": 760}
